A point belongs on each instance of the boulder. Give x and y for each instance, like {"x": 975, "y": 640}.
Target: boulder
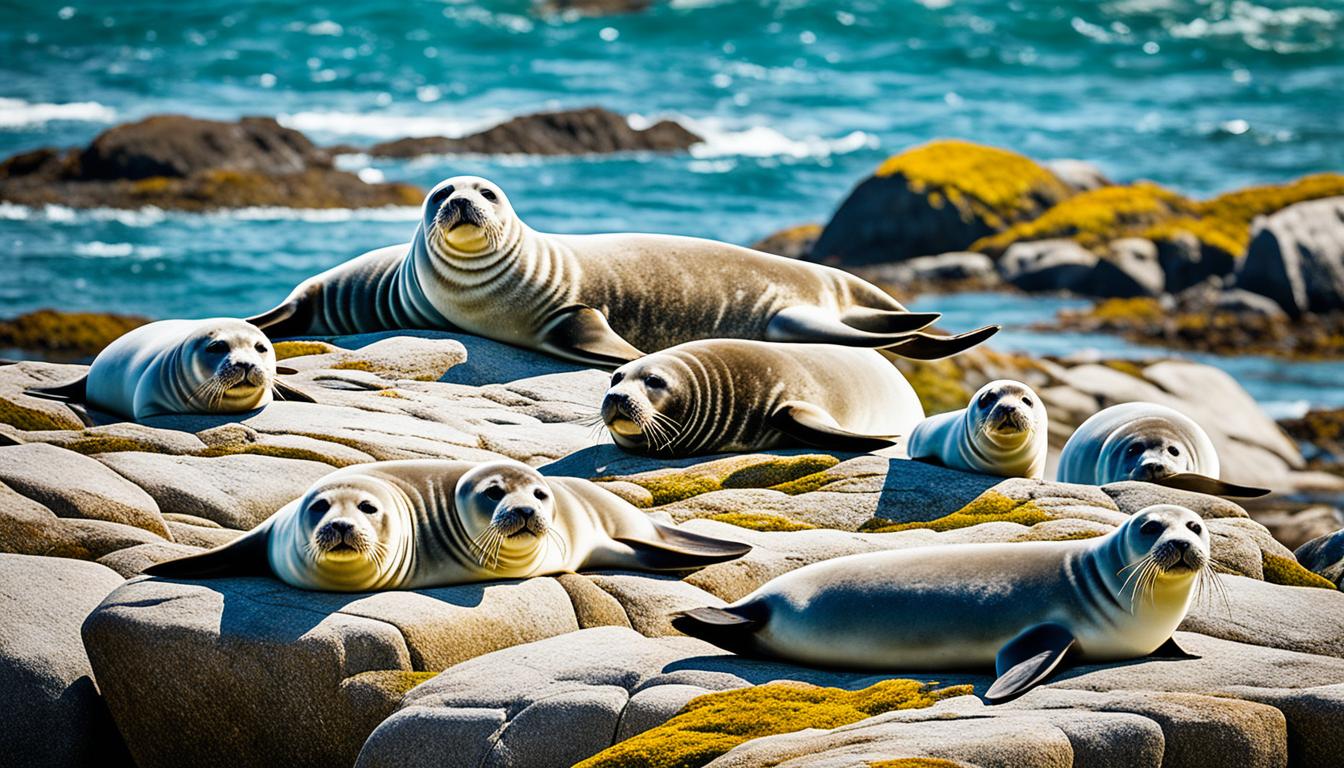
{"x": 936, "y": 198}
{"x": 73, "y": 485}
{"x": 54, "y": 715}
{"x": 1187, "y": 261}
{"x": 1129, "y": 267}
{"x": 132, "y": 561}
{"x": 1243, "y": 302}
{"x": 1047, "y": 265}
{"x": 571, "y": 132}
{"x": 791, "y": 242}
{"x": 959, "y": 270}
{"x": 1296, "y": 257}
{"x": 178, "y": 146}
{"x": 1080, "y": 175}
{"x": 1324, "y": 555}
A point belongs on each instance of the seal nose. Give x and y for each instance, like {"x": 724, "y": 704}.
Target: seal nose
{"x": 615, "y": 404}
{"x": 1182, "y": 545}
{"x": 527, "y": 513}
{"x": 342, "y": 526}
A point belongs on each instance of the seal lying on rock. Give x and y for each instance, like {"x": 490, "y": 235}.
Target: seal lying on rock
{"x": 594, "y": 299}
{"x": 1003, "y": 431}
{"x": 1025, "y": 608}
{"x": 431, "y": 523}
{"x": 737, "y": 395}
{"x": 1148, "y": 442}
{"x": 218, "y": 365}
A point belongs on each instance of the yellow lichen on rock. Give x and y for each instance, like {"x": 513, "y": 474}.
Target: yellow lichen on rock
{"x": 752, "y": 471}
{"x": 998, "y": 185}
{"x": 938, "y": 384}
{"x": 712, "y": 724}
{"x": 76, "y": 333}
{"x": 915, "y": 762}
{"x": 759, "y": 521}
{"x": 1289, "y": 572}
{"x": 287, "y": 349}
{"x": 1225, "y": 221}
{"x": 1094, "y": 218}
{"x": 33, "y": 420}
{"x": 989, "y": 507}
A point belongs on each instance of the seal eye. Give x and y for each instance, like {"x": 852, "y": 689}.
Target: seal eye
{"x": 319, "y": 507}
{"x": 1173, "y": 450}
{"x": 1134, "y": 449}
{"x": 654, "y": 381}
{"x": 1027, "y": 402}
{"x": 440, "y": 195}
{"x": 218, "y": 347}
{"x": 1151, "y": 528}
{"x": 541, "y": 494}
{"x": 368, "y": 508}
{"x": 494, "y": 493}
{"x": 1194, "y": 527}
{"x": 489, "y": 195}
{"x": 616, "y": 378}
{"x": 260, "y": 347}
{"x": 986, "y": 399}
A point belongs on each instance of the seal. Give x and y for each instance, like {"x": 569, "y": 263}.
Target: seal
{"x": 473, "y": 265}
{"x": 1147, "y": 442}
{"x": 1003, "y": 431}
{"x": 1023, "y": 608}
{"x": 737, "y": 395}
{"x": 430, "y": 523}
{"x": 217, "y": 365}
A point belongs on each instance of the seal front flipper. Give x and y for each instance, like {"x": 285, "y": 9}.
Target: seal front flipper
{"x": 1170, "y": 650}
{"x": 1190, "y": 481}
{"x": 581, "y": 333}
{"x": 678, "y": 550}
{"x": 812, "y": 425}
{"x": 245, "y": 556}
{"x": 814, "y": 325}
{"x": 1028, "y": 659}
{"x": 924, "y": 346}
{"x": 74, "y": 392}
{"x": 732, "y": 629}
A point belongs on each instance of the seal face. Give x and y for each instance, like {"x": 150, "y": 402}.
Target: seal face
{"x": 474, "y": 265}
{"x": 414, "y": 524}
{"x": 1024, "y": 608}
{"x": 737, "y": 395}
{"x": 217, "y": 365}
{"x": 1146, "y": 442}
{"x": 1003, "y": 431}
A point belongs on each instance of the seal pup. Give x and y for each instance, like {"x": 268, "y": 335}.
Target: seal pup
{"x": 1147, "y": 442}
{"x": 431, "y": 523}
{"x": 1022, "y": 608}
{"x": 1003, "y": 431}
{"x": 473, "y": 265}
{"x": 737, "y": 395}
{"x": 216, "y": 365}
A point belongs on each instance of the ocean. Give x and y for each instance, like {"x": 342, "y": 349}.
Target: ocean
{"x": 797, "y": 101}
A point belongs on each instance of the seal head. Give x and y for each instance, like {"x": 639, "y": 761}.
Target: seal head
{"x": 468, "y": 217}
{"x": 649, "y": 404}
{"x": 508, "y": 512}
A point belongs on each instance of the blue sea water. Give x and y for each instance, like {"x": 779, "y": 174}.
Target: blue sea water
{"x": 797, "y": 101}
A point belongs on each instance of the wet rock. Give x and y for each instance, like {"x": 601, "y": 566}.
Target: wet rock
{"x": 571, "y": 132}
{"x": 1296, "y": 257}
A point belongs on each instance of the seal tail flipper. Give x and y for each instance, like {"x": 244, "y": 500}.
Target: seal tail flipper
{"x": 245, "y": 556}
{"x": 812, "y": 425}
{"x": 805, "y": 324}
{"x": 887, "y": 320}
{"x": 294, "y": 317}
{"x": 1190, "y": 481}
{"x": 732, "y": 629}
{"x": 925, "y": 346}
{"x": 581, "y": 333}
{"x": 74, "y": 392}
{"x": 1170, "y": 650}
{"x": 678, "y": 550}
{"x": 1028, "y": 659}
{"x": 282, "y": 391}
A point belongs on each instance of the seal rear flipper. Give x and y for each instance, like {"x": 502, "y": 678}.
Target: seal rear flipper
{"x": 809, "y": 424}
{"x": 581, "y": 333}
{"x": 1170, "y": 650}
{"x": 732, "y": 629}
{"x": 282, "y": 391}
{"x": 814, "y": 325}
{"x": 924, "y": 346}
{"x": 74, "y": 392}
{"x": 1190, "y": 481}
{"x": 678, "y": 550}
{"x": 245, "y": 556}
{"x": 1028, "y": 659}
{"x": 292, "y": 318}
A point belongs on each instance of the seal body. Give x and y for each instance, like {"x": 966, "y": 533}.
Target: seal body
{"x": 737, "y": 395}
{"x": 217, "y": 365}
{"x": 976, "y": 605}
{"x": 427, "y": 523}
{"x": 597, "y": 299}
{"x": 1147, "y": 442}
{"x": 1003, "y": 431}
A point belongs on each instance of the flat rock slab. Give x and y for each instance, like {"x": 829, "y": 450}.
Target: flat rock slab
{"x": 74, "y": 485}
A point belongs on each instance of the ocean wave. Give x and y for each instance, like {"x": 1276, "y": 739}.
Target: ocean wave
{"x": 17, "y": 113}
{"x": 100, "y": 250}
{"x": 1296, "y": 29}
{"x": 150, "y": 216}
{"x": 764, "y": 141}
{"x": 386, "y": 126}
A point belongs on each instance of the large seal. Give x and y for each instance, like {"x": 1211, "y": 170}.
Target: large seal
{"x": 1148, "y": 442}
{"x": 595, "y": 299}
{"x": 428, "y": 523}
{"x": 1021, "y": 608}
{"x": 217, "y": 365}
{"x": 737, "y": 395}
{"x": 1003, "y": 431}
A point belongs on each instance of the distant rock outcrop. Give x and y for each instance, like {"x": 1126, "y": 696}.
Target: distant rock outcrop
{"x": 1296, "y": 257}
{"x": 569, "y": 132}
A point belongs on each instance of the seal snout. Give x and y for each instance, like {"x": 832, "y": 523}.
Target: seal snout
{"x": 339, "y": 535}
{"x": 621, "y": 415}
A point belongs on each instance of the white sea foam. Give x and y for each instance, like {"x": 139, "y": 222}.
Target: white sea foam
{"x": 100, "y": 250}
{"x": 17, "y": 113}
{"x": 384, "y": 125}
{"x": 150, "y": 216}
{"x": 764, "y": 141}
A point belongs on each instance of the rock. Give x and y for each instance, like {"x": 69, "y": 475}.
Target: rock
{"x": 54, "y": 715}
{"x": 1259, "y": 613}
{"x": 649, "y": 600}
{"x": 273, "y": 662}
{"x": 1187, "y": 262}
{"x": 1242, "y": 302}
{"x": 25, "y": 412}
{"x": 1324, "y": 555}
{"x": 1047, "y": 265}
{"x": 1080, "y": 175}
{"x": 76, "y": 334}
{"x": 1313, "y": 717}
{"x": 570, "y": 132}
{"x": 177, "y": 146}
{"x": 1296, "y": 257}
{"x": 132, "y": 561}
{"x": 957, "y": 271}
{"x": 72, "y": 485}
{"x": 391, "y": 358}
{"x": 936, "y": 198}
{"x": 238, "y": 491}
{"x": 1128, "y": 268}
{"x": 28, "y": 528}
{"x": 1296, "y": 527}
{"x": 791, "y": 242}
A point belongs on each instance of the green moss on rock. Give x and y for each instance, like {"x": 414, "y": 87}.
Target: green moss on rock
{"x": 759, "y": 521}
{"x": 989, "y": 507}
{"x": 92, "y": 444}
{"x": 33, "y": 420}
{"x": 806, "y": 484}
{"x": 754, "y": 471}
{"x": 70, "y": 333}
{"x": 710, "y": 725}
{"x": 278, "y": 451}
{"x": 1288, "y": 572}
{"x": 915, "y": 762}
